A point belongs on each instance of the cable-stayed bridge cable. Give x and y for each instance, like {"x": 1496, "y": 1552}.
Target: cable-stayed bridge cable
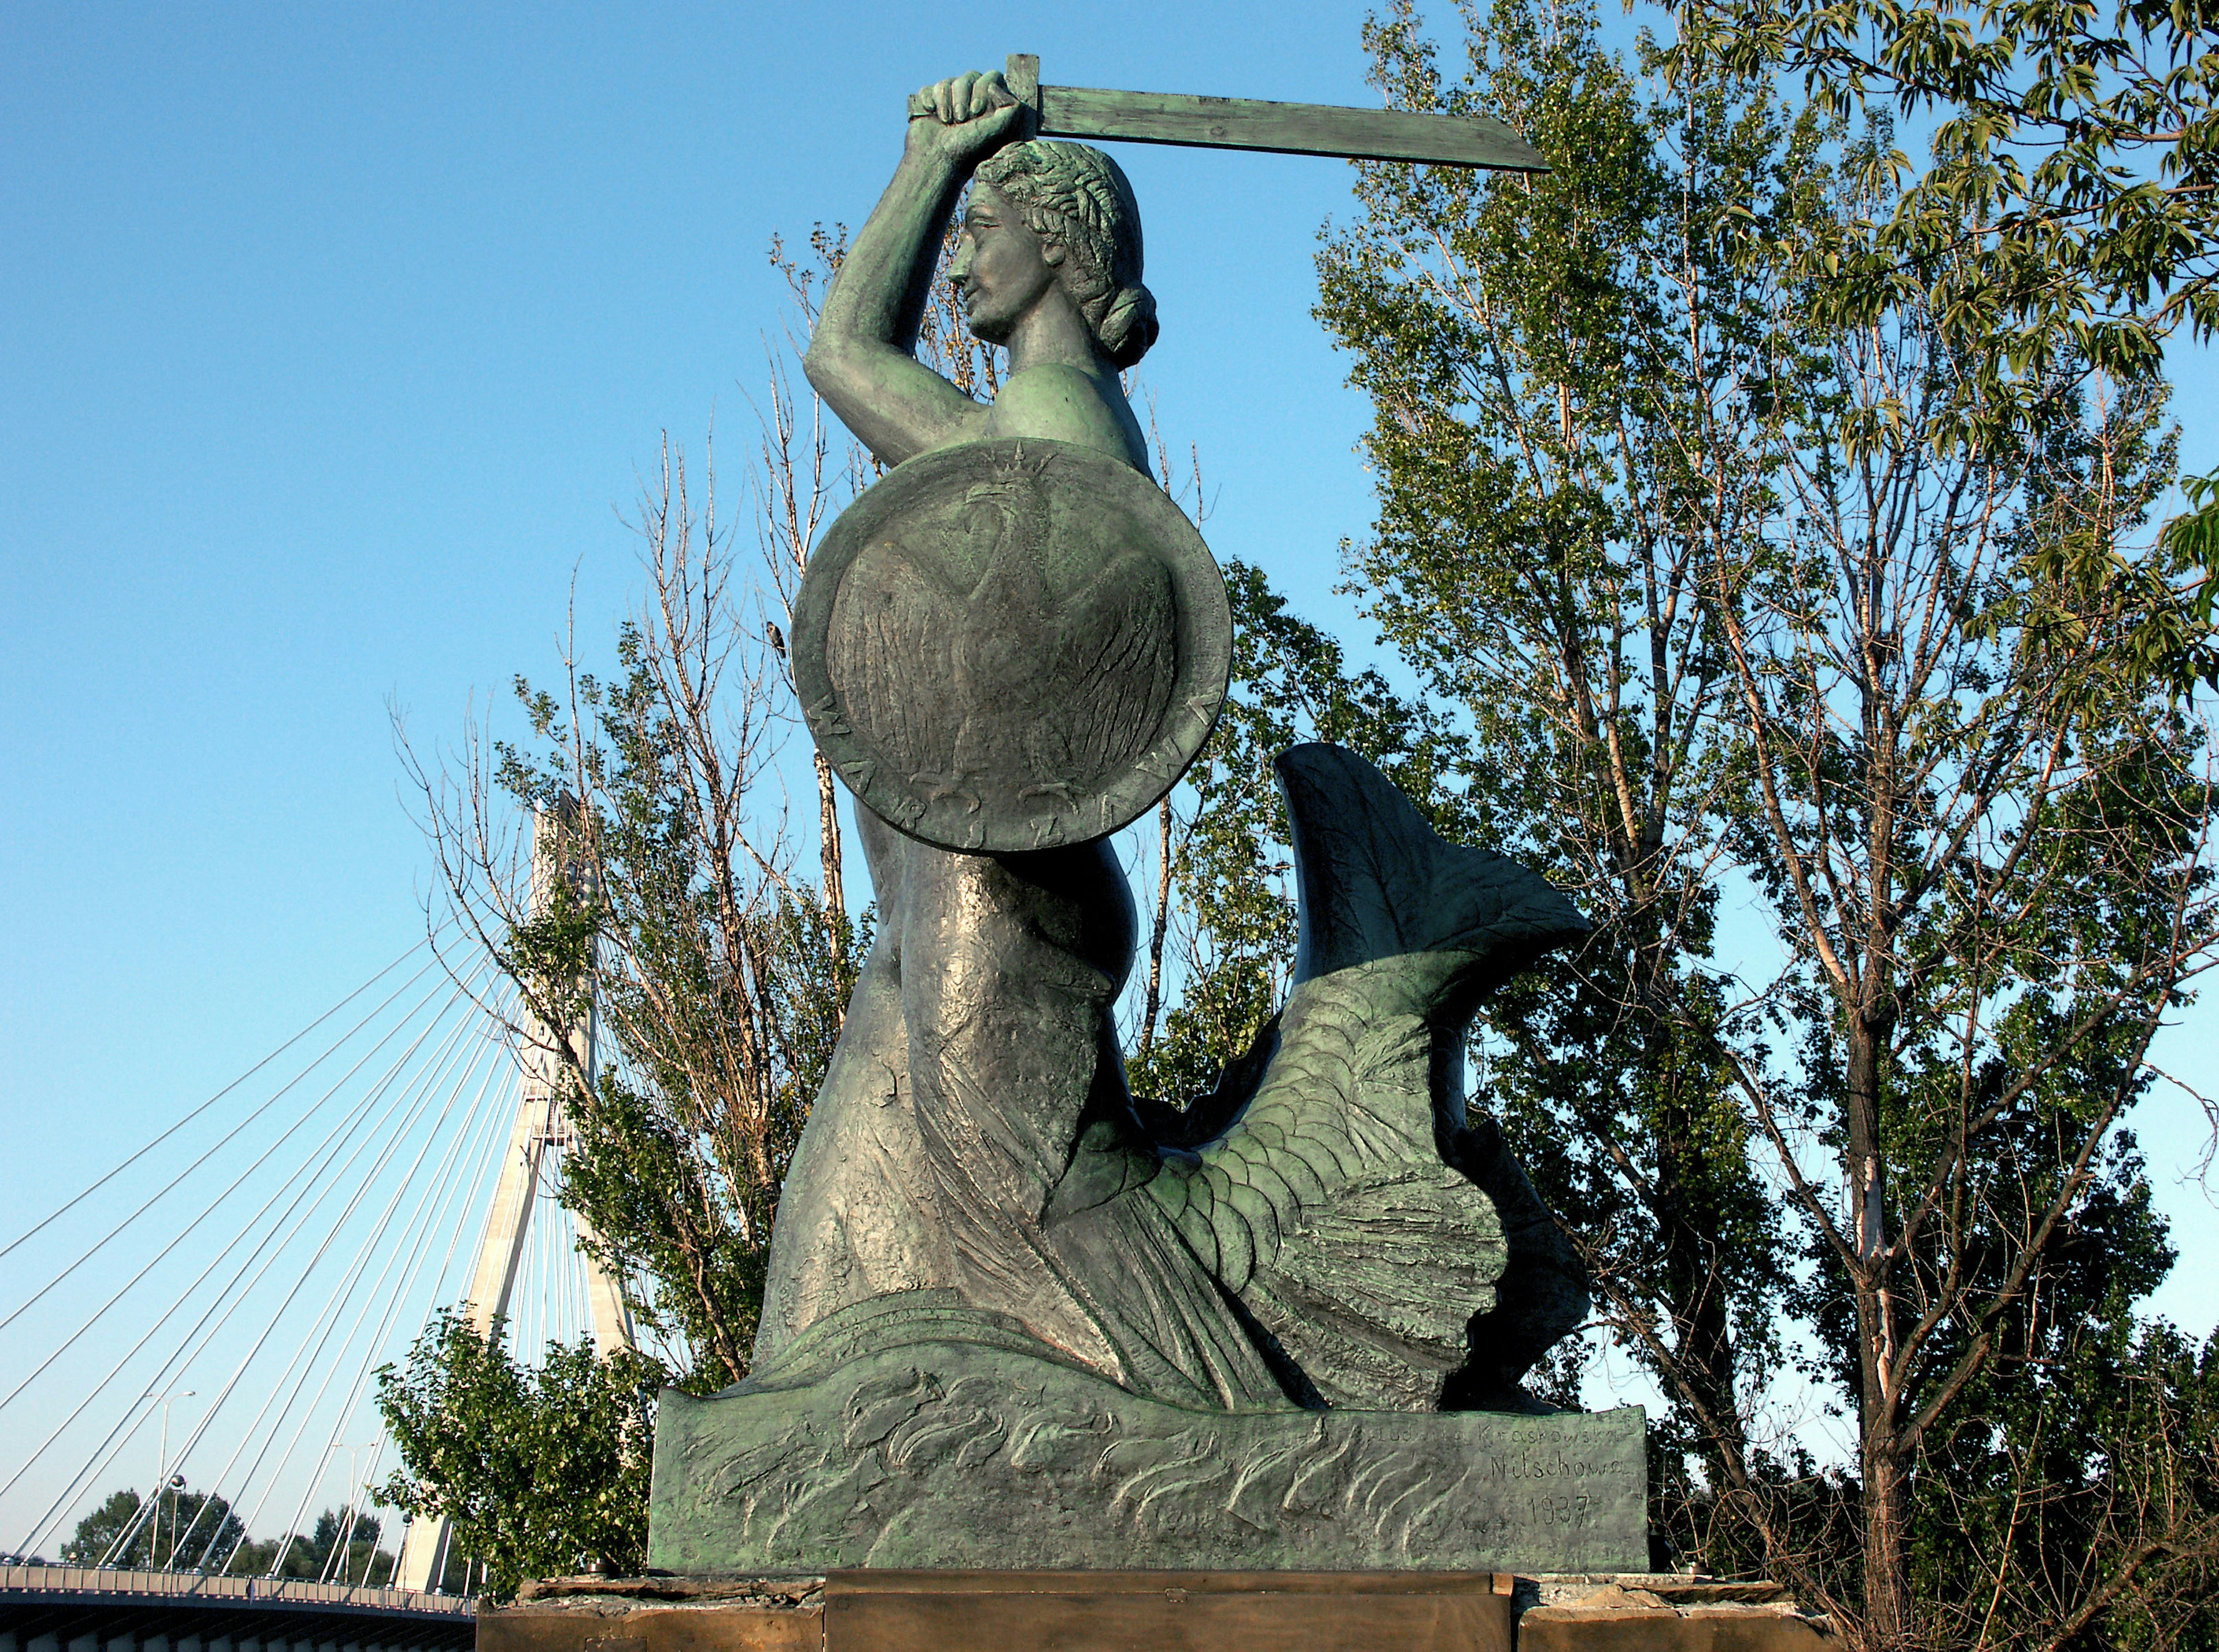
{"x": 84, "y": 1194}
{"x": 185, "y": 1233}
{"x": 478, "y": 1130}
{"x": 310, "y": 1353}
{"x": 103, "y": 1242}
{"x": 412, "y": 1130}
{"x": 423, "y": 1089}
{"x": 400, "y": 1096}
{"x": 306, "y": 1177}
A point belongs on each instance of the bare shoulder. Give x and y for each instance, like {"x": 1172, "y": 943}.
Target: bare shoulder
{"x": 1068, "y": 404}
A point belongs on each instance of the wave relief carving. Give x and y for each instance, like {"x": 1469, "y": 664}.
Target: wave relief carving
{"x": 920, "y": 1465}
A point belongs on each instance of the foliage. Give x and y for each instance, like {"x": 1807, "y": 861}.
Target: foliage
{"x": 666, "y": 900}
{"x": 2065, "y": 221}
{"x": 185, "y": 1532}
{"x": 199, "y": 1533}
{"x": 2075, "y": 1485}
{"x": 1560, "y": 371}
{"x": 1751, "y": 575}
{"x": 2070, "y": 206}
{"x": 539, "y": 1472}
{"x": 677, "y": 909}
{"x": 319, "y": 1558}
{"x": 1233, "y": 922}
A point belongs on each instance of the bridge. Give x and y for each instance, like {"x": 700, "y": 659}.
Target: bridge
{"x": 189, "y": 1344}
{"x": 94, "y": 1609}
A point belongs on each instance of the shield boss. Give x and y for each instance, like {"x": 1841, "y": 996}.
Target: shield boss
{"x": 1009, "y": 645}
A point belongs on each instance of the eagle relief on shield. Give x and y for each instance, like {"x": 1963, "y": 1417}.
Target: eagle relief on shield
{"x": 1009, "y": 645}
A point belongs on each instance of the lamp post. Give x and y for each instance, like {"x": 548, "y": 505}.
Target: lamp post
{"x": 162, "y": 1478}
{"x": 342, "y": 1539}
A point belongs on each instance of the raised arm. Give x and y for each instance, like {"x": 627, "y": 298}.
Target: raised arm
{"x": 862, "y": 357}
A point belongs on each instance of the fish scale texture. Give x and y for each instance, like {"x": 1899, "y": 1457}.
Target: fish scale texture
{"x": 1327, "y": 1207}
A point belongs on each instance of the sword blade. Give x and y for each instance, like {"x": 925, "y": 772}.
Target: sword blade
{"x": 1284, "y": 128}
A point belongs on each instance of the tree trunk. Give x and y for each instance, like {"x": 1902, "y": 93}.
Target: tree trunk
{"x": 1887, "y": 1599}
{"x": 1695, "y": 1288}
{"x": 1694, "y": 1284}
{"x": 1887, "y": 1595}
{"x": 1163, "y": 913}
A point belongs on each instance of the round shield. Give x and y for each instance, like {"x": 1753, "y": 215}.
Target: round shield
{"x": 1012, "y": 644}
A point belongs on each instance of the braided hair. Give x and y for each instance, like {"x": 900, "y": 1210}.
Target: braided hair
{"x": 1077, "y": 196}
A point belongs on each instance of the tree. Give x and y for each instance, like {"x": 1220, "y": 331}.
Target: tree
{"x": 1560, "y": 369}
{"x": 718, "y": 971}
{"x": 320, "y": 1556}
{"x": 183, "y": 1530}
{"x": 1223, "y": 862}
{"x": 718, "y": 961}
{"x": 538, "y": 1471}
{"x": 2068, "y": 212}
{"x": 719, "y": 965}
{"x": 2073, "y": 1488}
{"x": 1745, "y": 585}
{"x": 2066, "y": 221}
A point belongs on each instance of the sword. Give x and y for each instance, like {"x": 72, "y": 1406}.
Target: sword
{"x": 1477, "y": 141}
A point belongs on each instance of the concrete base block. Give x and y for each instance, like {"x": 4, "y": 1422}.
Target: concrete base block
{"x": 987, "y": 1612}
{"x": 1670, "y": 1614}
{"x": 893, "y": 1611}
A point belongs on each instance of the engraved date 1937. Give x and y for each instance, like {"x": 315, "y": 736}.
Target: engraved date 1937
{"x": 1566, "y": 1508}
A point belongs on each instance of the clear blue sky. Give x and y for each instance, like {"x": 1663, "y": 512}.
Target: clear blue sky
{"x": 332, "y": 339}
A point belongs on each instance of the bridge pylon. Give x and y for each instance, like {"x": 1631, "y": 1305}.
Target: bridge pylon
{"x": 541, "y": 1129}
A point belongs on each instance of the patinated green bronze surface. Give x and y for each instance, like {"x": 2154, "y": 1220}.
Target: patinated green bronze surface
{"x": 1474, "y": 140}
{"x": 1011, "y": 645}
{"x": 1331, "y": 1228}
{"x": 1012, "y": 1319}
{"x": 959, "y": 1455}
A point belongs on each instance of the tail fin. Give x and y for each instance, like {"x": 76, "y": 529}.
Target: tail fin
{"x": 1375, "y": 881}
{"x": 1331, "y": 1206}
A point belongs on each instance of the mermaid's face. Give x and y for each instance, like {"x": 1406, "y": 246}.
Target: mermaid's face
{"x": 1002, "y": 268}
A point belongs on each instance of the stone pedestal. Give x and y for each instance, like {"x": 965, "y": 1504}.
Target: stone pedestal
{"x": 1013, "y": 1611}
{"x": 658, "y": 1614}
{"x": 1667, "y": 1613}
{"x": 1163, "y": 1611}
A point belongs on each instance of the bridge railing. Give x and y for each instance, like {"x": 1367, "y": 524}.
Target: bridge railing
{"x": 101, "y": 1580}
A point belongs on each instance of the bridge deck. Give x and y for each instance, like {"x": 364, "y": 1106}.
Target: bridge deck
{"x": 91, "y": 1609}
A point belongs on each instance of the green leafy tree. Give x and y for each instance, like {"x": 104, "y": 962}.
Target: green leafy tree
{"x": 1979, "y": 821}
{"x": 2072, "y": 1492}
{"x": 718, "y": 968}
{"x": 319, "y": 1556}
{"x": 717, "y": 957}
{"x": 2064, "y": 221}
{"x": 183, "y": 1532}
{"x": 1741, "y": 587}
{"x": 357, "y": 1560}
{"x": 1565, "y": 433}
{"x": 2066, "y": 214}
{"x": 540, "y": 1471}
{"x": 1231, "y": 926}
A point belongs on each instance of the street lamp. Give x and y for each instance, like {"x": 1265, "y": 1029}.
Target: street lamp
{"x": 342, "y": 1539}
{"x": 162, "y": 1478}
